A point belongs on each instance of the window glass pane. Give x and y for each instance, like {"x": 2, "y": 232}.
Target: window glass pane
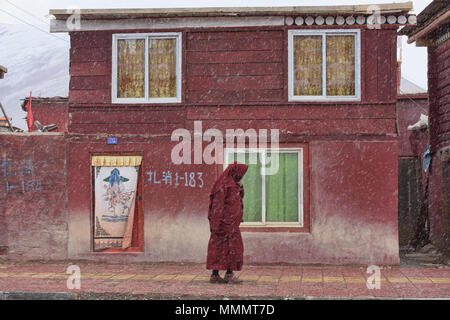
{"x": 308, "y": 65}
{"x": 340, "y": 65}
{"x": 282, "y": 190}
{"x": 162, "y": 68}
{"x": 252, "y": 182}
{"x": 131, "y": 68}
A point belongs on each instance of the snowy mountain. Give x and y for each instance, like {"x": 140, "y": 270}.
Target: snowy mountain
{"x": 36, "y": 62}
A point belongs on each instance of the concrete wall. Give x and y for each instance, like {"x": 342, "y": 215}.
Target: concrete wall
{"x": 33, "y": 219}
{"x": 352, "y": 201}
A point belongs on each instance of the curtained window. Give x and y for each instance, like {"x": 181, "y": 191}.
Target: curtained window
{"x": 323, "y": 65}
{"x": 274, "y": 198}
{"x": 147, "y": 68}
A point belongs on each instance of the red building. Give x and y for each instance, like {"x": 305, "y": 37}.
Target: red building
{"x": 317, "y": 83}
{"x": 433, "y": 31}
{"x": 49, "y": 111}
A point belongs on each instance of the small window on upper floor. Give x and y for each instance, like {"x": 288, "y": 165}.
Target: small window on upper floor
{"x": 324, "y": 65}
{"x": 146, "y": 68}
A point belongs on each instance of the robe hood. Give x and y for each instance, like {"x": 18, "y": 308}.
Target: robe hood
{"x": 233, "y": 173}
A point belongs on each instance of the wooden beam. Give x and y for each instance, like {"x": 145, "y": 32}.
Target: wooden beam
{"x": 429, "y": 28}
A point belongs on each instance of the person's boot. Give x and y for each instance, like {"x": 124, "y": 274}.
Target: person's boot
{"x": 231, "y": 278}
{"x": 216, "y": 279}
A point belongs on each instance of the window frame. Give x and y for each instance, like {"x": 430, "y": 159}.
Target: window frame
{"x": 300, "y": 224}
{"x": 146, "y": 37}
{"x": 323, "y": 33}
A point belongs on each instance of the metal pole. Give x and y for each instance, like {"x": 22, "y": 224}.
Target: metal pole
{"x": 7, "y": 120}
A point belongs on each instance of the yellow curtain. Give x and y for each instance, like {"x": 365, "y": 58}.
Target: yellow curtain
{"x": 116, "y": 161}
{"x": 340, "y": 65}
{"x": 131, "y": 68}
{"x": 162, "y": 68}
{"x": 308, "y": 65}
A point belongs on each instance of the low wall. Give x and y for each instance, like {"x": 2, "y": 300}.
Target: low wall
{"x": 33, "y": 219}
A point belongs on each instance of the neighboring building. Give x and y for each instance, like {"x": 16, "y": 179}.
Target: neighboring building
{"x": 49, "y": 111}
{"x": 433, "y": 31}
{"x": 4, "y": 126}
{"x": 412, "y": 104}
{"x": 320, "y": 75}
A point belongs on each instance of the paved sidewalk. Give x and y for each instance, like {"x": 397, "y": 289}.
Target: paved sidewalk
{"x": 160, "y": 281}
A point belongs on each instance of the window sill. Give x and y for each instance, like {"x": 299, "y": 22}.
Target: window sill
{"x": 323, "y": 99}
{"x": 118, "y": 250}
{"x": 138, "y": 101}
{"x": 275, "y": 228}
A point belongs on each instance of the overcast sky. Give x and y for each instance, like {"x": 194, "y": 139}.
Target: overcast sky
{"x": 414, "y": 65}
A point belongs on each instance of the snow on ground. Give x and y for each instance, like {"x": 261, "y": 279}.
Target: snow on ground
{"x": 36, "y": 62}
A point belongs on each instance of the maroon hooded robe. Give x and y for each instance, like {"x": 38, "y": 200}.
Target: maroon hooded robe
{"x": 225, "y": 247}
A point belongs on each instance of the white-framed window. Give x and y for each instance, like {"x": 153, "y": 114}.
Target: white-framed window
{"x": 273, "y": 192}
{"x": 324, "y": 65}
{"x": 146, "y": 68}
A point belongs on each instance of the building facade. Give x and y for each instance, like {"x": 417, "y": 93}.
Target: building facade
{"x": 433, "y": 31}
{"x": 161, "y": 100}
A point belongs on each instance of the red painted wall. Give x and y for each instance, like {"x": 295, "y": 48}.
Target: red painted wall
{"x": 245, "y": 68}
{"x": 439, "y": 91}
{"x": 238, "y": 79}
{"x": 353, "y": 206}
{"x": 33, "y": 219}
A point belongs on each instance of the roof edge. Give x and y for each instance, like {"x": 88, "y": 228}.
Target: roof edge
{"x": 230, "y": 11}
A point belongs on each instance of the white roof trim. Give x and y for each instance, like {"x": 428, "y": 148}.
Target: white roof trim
{"x": 167, "y": 23}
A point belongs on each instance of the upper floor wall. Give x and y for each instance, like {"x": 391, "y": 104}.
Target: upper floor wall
{"x": 241, "y": 66}
{"x": 307, "y": 71}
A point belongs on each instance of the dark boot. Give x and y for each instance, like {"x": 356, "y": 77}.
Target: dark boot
{"x": 231, "y": 278}
{"x": 216, "y": 279}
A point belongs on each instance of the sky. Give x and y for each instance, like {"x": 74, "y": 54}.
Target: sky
{"x": 414, "y": 58}
{"x": 36, "y": 13}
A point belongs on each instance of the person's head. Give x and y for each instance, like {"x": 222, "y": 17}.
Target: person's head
{"x": 237, "y": 171}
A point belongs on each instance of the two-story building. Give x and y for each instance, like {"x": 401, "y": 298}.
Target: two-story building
{"x": 162, "y": 99}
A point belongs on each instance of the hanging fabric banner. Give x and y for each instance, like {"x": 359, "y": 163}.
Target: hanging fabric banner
{"x": 115, "y": 196}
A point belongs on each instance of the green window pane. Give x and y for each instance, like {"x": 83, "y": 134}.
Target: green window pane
{"x": 282, "y": 191}
{"x": 252, "y": 182}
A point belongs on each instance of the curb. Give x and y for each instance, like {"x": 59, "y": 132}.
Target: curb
{"x": 23, "y": 295}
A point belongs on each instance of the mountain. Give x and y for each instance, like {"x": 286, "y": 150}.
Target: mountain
{"x": 36, "y": 62}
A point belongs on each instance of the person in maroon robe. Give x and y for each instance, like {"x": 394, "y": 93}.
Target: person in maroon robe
{"x": 226, "y": 209}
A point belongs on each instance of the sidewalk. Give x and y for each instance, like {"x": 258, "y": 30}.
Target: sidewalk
{"x": 175, "y": 281}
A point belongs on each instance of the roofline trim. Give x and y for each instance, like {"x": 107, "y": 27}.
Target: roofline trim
{"x": 63, "y": 14}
